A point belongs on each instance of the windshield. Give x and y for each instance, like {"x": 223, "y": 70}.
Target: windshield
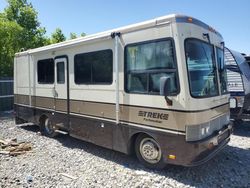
{"x": 222, "y": 70}
{"x": 201, "y": 68}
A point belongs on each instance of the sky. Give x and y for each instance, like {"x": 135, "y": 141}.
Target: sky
{"x": 230, "y": 17}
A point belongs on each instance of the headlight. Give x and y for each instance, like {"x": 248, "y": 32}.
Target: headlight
{"x": 198, "y": 132}
{"x": 233, "y": 103}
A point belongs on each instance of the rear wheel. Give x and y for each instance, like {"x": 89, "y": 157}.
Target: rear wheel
{"x": 47, "y": 128}
{"x": 148, "y": 152}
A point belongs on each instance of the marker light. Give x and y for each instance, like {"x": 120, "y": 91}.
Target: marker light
{"x": 171, "y": 156}
{"x": 211, "y": 145}
{"x": 190, "y": 19}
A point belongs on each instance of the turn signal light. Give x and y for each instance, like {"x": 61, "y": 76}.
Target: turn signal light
{"x": 211, "y": 145}
{"x": 171, "y": 156}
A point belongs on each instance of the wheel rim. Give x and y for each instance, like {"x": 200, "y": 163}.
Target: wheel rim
{"x": 150, "y": 150}
{"x": 48, "y": 126}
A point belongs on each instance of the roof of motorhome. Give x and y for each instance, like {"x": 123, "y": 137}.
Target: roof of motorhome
{"x": 126, "y": 29}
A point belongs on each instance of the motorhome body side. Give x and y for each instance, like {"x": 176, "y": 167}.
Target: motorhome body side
{"x": 106, "y": 90}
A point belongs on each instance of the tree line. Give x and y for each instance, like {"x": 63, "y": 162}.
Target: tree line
{"x": 21, "y": 30}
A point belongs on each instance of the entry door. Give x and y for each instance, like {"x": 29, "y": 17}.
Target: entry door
{"x": 61, "y": 86}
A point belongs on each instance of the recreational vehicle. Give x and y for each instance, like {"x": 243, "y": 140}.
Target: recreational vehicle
{"x": 156, "y": 88}
{"x": 238, "y": 75}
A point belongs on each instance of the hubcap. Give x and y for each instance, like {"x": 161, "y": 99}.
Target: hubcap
{"x": 150, "y": 150}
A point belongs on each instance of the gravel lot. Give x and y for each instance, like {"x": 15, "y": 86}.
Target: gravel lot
{"x": 93, "y": 166}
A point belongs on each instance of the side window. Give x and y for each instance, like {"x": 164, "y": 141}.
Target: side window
{"x": 45, "y": 71}
{"x": 146, "y": 63}
{"x": 222, "y": 70}
{"x": 201, "y": 68}
{"x": 60, "y": 72}
{"x": 94, "y": 67}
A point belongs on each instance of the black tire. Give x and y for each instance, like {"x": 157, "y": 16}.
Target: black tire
{"x": 47, "y": 127}
{"x": 148, "y": 152}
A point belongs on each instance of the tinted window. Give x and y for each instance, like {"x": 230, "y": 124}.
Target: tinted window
{"x": 148, "y": 56}
{"x": 154, "y": 84}
{"x": 222, "y": 70}
{"x": 201, "y": 68}
{"x": 94, "y": 67}
{"x": 146, "y": 63}
{"x": 45, "y": 71}
{"x": 60, "y": 73}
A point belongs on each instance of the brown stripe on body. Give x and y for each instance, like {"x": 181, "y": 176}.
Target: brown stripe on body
{"x": 61, "y": 105}
{"x": 162, "y": 118}
{"x": 36, "y": 101}
{"x": 103, "y": 110}
{"x": 147, "y": 116}
{"x": 176, "y": 120}
{"x": 21, "y": 99}
{"x": 194, "y": 118}
{"x": 44, "y": 102}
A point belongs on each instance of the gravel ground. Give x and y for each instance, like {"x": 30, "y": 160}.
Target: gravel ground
{"x": 93, "y": 166}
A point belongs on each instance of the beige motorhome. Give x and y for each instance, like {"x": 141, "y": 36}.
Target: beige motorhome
{"x": 157, "y": 88}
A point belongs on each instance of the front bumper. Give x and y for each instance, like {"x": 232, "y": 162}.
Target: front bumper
{"x": 199, "y": 152}
{"x": 209, "y": 147}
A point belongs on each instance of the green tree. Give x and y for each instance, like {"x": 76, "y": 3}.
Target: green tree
{"x": 19, "y": 29}
{"x": 73, "y": 36}
{"x": 83, "y": 34}
{"x": 41, "y": 39}
{"x": 57, "y": 36}
{"x": 25, "y": 15}
{"x": 9, "y": 44}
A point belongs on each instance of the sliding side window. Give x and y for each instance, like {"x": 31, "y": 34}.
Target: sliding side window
{"x": 94, "y": 67}
{"x": 45, "y": 71}
{"x": 146, "y": 63}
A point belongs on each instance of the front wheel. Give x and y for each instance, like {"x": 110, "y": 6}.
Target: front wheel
{"x": 47, "y": 128}
{"x": 148, "y": 151}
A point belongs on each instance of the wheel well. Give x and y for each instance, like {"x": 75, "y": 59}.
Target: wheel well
{"x": 132, "y": 140}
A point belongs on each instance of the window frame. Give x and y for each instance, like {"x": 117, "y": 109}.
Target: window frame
{"x": 91, "y": 82}
{"x": 44, "y": 83}
{"x": 57, "y": 75}
{"x": 215, "y": 64}
{"x": 223, "y": 51}
{"x": 174, "y": 70}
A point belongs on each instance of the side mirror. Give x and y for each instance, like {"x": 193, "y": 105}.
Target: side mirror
{"x": 165, "y": 89}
